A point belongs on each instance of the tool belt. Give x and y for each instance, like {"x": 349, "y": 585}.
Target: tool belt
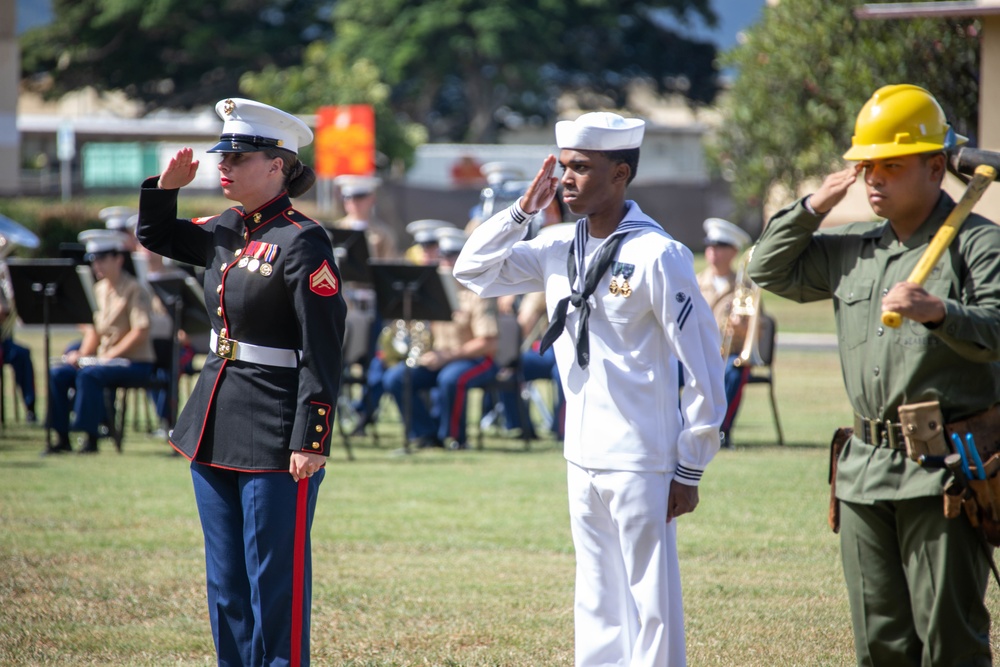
{"x": 970, "y": 450}
{"x": 234, "y": 350}
{"x": 879, "y": 433}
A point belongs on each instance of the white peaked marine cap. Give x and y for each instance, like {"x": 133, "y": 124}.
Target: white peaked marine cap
{"x": 98, "y": 241}
{"x": 352, "y": 186}
{"x": 723, "y": 232}
{"x": 251, "y": 126}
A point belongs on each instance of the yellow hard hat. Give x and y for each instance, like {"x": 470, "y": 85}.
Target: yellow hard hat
{"x": 901, "y": 120}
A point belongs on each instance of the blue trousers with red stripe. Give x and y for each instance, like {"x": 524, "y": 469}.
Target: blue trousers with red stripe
{"x": 446, "y": 418}
{"x": 258, "y": 563}
{"x": 735, "y": 379}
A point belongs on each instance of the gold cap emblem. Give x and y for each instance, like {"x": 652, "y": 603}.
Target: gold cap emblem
{"x": 228, "y": 107}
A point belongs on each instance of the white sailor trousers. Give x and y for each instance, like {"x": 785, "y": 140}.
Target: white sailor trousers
{"x": 628, "y": 610}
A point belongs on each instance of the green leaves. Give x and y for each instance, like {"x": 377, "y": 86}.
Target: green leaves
{"x": 803, "y": 74}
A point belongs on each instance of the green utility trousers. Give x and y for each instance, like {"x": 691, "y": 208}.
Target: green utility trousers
{"x": 916, "y": 583}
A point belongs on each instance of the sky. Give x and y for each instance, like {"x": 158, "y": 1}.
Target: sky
{"x": 734, "y": 16}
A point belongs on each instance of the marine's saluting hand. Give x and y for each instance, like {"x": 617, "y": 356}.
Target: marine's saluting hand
{"x": 542, "y": 188}
{"x": 180, "y": 170}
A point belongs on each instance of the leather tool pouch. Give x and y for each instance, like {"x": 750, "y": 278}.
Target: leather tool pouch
{"x": 840, "y": 438}
{"x": 923, "y": 429}
{"x": 982, "y": 502}
{"x": 985, "y": 429}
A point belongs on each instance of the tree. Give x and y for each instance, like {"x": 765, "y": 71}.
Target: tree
{"x": 325, "y": 78}
{"x": 804, "y": 72}
{"x": 176, "y": 53}
{"x": 459, "y": 66}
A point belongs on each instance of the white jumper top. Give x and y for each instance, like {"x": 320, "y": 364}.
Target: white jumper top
{"x": 623, "y": 411}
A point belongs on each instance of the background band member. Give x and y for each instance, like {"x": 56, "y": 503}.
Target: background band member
{"x": 460, "y": 358}
{"x": 624, "y": 308}
{"x": 257, "y": 426}
{"x": 718, "y": 284}
{"x": 116, "y": 350}
{"x": 358, "y": 193}
{"x": 16, "y": 355}
{"x": 915, "y": 579}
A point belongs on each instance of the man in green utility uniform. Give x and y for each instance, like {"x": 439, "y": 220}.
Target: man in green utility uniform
{"x": 916, "y": 580}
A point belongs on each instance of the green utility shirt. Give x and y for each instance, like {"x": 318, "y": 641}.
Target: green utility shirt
{"x": 955, "y": 362}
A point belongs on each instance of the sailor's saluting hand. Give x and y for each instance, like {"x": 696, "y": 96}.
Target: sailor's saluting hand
{"x": 180, "y": 170}
{"x": 542, "y": 189}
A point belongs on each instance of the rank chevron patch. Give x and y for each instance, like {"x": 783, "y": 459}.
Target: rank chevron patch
{"x": 322, "y": 281}
{"x": 686, "y": 307}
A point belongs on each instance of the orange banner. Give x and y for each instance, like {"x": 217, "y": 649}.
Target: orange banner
{"x": 345, "y": 140}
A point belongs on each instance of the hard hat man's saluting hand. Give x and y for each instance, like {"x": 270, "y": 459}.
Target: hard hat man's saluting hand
{"x": 834, "y": 188}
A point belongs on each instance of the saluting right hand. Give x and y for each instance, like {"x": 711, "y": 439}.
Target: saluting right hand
{"x": 834, "y": 188}
{"x": 180, "y": 171}
{"x": 542, "y": 189}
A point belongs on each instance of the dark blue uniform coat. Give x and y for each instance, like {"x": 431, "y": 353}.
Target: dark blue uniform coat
{"x": 246, "y": 416}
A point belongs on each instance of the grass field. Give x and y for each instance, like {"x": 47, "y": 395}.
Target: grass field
{"x": 437, "y": 558}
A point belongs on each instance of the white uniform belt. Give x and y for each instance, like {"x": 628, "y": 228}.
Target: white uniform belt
{"x": 230, "y": 349}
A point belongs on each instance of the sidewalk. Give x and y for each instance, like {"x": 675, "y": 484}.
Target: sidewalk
{"x": 806, "y": 341}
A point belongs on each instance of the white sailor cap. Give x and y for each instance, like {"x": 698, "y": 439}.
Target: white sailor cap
{"x": 117, "y": 217}
{"x": 496, "y": 173}
{"x": 723, "y": 232}
{"x": 354, "y": 186}
{"x": 600, "y": 131}
{"x": 252, "y": 126}
{"x": 425, "y": 231}
{"x": 450, "y": 240}
{"x": 99, "y": 242}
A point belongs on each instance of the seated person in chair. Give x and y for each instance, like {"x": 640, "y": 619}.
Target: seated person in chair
{"x": 116, "y": 351}
{"x": 18, "y": 356}
{"x": 460, "y": 358}
{"x": 718, "y": 283}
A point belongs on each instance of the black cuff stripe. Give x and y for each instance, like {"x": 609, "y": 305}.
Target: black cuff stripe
{"x": 517, "y": 214}
{"x": 688, "y": 473}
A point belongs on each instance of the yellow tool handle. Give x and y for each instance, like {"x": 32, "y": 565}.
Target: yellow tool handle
{"x": 946, "y": 234}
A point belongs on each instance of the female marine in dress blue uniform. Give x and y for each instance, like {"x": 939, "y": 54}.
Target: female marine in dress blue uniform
{"x": 257, "y": 426}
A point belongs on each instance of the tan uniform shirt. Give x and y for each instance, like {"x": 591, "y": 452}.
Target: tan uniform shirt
{"x": 721, "y": 303}
{"x": 121, "y": 308}
{"x": 381, "y": 240}
{"x": 475, "y": 318}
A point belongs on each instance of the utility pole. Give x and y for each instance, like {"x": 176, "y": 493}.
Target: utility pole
{"x": 10, "y": 75}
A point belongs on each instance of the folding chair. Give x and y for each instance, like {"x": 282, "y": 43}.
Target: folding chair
{"x": 509, "y": 378}
{"x": 763, "y": 373}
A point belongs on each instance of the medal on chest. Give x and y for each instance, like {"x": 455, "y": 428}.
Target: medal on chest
{"x": 259, "y": 257}
{"x": 625, "y": 271}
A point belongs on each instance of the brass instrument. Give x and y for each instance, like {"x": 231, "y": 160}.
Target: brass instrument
{"x": 743, "y": 324}
{"x": 404, "y": 341}
{"x": 12, "y": 235}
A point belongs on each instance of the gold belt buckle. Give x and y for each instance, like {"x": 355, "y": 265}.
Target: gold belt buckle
{"x": 226, "y": 348}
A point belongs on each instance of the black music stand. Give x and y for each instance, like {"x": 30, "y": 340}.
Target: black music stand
{"x": 411, "y": 292}
{"x": 350, "y": 247}
{"x": 183, "y": 299}
{"x": 63, "y": 300}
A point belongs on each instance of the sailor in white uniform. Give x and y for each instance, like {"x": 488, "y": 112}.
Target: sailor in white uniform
{"x": 624, "y": 307}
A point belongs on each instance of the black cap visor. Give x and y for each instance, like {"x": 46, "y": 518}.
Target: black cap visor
{"x": 243, "y": 143}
